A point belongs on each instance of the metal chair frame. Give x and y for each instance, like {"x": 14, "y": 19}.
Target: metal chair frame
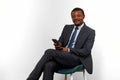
{"x": 71, "y": 75}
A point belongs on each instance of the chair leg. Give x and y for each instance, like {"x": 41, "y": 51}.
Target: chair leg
{"x": 84, "y": 76}
{"x": 65, "y": 76}
{"x": 71, "y": 77}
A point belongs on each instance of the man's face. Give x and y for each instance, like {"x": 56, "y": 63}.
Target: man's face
{"x": 77, "y": 17}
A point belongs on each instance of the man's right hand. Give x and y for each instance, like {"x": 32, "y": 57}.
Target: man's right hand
{"x": 58, "y": 46}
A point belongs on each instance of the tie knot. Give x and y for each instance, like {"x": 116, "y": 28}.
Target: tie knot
{"x": 76, "y": 28}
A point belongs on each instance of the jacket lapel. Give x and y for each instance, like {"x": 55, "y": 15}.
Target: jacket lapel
{"x": 81, "y": 36}
{"x": 69, "y": 31}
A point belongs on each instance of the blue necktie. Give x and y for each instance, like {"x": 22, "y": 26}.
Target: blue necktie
{"x": 72, "y": 38}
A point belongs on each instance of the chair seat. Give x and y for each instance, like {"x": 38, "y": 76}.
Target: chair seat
{"x": 70, "y": 70}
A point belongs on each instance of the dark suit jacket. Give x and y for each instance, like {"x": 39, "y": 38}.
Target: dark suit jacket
{"x": 83, "y": 45}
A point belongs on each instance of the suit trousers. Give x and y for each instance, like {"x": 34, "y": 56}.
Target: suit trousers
{"x": 51, "y": 61}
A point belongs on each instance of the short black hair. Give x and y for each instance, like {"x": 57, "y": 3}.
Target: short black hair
{"x": 78, "y": 9}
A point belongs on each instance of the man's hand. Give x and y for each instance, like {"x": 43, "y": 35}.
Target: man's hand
{"x": 58, "y": 46}
{"x": 65, "y": 49}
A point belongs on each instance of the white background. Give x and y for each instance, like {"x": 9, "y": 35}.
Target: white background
{"x": 27, "y": 27}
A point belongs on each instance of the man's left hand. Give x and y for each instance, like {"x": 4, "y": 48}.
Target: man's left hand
{"x": 65, "y": 49}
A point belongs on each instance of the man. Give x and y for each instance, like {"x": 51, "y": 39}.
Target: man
{"x": 74, "y": 48}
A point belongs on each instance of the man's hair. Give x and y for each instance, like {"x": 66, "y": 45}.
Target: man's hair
{"x": 78, "y": 9}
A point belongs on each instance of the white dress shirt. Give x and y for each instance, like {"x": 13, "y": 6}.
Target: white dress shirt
{"x": 78, "y": 31}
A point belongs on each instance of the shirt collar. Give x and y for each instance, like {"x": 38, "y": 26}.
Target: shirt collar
{"x": 80, "y": 26}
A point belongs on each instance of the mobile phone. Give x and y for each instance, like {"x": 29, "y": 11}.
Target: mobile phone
{"x": 55, "y": 41}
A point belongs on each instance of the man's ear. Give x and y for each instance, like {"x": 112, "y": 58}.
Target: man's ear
{"x": 83, "y": 16}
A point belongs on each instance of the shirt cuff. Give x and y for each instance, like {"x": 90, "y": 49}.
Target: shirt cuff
{"x": 68, "y": 49}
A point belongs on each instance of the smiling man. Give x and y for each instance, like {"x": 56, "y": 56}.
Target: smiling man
{"x": 74, "y": 48}
{"x": 77, "y": 16}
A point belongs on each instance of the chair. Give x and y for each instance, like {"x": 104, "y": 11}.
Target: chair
{"x": 70, "y": 71}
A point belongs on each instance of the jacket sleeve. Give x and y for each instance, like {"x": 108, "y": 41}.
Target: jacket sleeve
{"x": 61, "y": 38}
{"x": 87, "y": 46}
